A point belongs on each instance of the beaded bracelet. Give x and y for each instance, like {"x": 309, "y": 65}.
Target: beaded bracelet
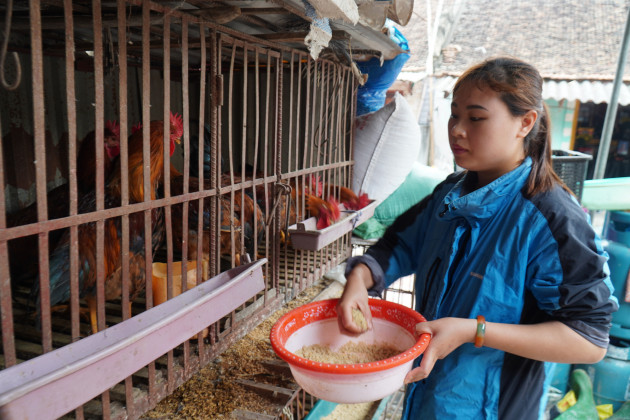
{"x": 481, "y": 331}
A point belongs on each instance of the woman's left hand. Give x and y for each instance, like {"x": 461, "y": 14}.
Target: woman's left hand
{"x": 446, "y": 335}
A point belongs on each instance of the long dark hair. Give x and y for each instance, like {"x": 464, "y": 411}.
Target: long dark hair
{"x": 519, "y": 86}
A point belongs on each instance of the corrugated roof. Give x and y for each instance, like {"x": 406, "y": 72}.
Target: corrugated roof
{"x": 585, "y": 91}
{"x": 582, "y": 90}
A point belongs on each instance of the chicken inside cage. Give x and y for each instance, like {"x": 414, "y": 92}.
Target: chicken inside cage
{"x": 138, "y": 134}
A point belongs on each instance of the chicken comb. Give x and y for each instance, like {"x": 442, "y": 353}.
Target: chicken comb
{"x": 177, "y": 125}
{"x": 136, "y": 128}
{"x": 114, "y": 127}
{"x": 317, "y": 185}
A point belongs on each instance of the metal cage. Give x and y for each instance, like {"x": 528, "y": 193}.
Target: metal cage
{"x": 259, "y": 121}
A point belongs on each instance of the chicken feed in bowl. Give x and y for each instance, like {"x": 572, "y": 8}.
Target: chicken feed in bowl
{"x": 315, "y": 326}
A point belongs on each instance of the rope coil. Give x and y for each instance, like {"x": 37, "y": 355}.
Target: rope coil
{"x": 3, "y": 52}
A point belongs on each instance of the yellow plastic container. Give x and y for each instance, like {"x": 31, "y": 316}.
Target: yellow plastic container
{"x": 160, "y": 277}
{"x": 160, "y": 281}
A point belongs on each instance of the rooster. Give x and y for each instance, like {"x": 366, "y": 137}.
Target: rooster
{"x": 60, "y": 258}
{"x": 347, "y": 197}
{"x": 326, "y": 211}
{"x": 229, "y": 223}
{"x": 23, "y": 252}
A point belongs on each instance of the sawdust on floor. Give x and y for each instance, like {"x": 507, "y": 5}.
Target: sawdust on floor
{"x": 212, "y": 393}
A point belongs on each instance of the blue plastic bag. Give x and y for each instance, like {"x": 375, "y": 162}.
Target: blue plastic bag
{"x": 371, "y": 96}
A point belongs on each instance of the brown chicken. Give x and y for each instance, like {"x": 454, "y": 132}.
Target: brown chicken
{"x": 250, "y": 214}
{"x": 60, "y": 258}
{"x": 347, "y": 197}
{"x": 23, "y": 252}
{"x": 326, "y": 211}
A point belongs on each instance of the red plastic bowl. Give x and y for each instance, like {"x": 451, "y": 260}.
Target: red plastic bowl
{"x": 316, "y": 323}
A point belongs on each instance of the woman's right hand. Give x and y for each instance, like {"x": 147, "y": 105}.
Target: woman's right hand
{"x": 355, "y": 295}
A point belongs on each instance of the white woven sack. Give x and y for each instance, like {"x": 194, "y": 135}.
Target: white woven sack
{"x": 386, "y": 145}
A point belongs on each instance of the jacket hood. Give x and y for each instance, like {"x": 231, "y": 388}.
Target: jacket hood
{"x": 486, "y": 201}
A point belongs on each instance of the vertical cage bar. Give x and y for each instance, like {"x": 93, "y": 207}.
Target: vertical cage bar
{"x": 186, "y": 119}
{"x": 39, "y": 134}
{"x": 217, "y": 88}
{"x": 201, "y": 146}
{"x": 266, "y": 195}
{"x": 278, "y": 156}
{"x": 99, "y": 127}
{"x": 243, "y": 163}
{"x": 166, "y": 152}
{"x": 216, "y": 93}
{"x": 123, "y": 157}
{"x": 230, "y": 128}
{"x": 290, "y": 128}
{"x": 146, "y": 154}
{"x": 270, "y": 283}
{"x": 6, "y": 309}
{"x": 72, "y": 170}
{"x": 99, "y": 179}
{"x": 130, "y": 403}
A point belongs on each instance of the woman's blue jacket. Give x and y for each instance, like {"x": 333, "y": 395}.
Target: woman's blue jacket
{"x": 513, "y": 259}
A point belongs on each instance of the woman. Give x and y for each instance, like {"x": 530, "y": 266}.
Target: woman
{"x": 504, "y": 240}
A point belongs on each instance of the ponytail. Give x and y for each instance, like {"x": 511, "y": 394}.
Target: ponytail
{"x": 538, "y": 147}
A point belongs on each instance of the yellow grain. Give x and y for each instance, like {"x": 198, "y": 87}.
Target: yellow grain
{"x": 359, "y": 319}
{"x": 350, "y": 353}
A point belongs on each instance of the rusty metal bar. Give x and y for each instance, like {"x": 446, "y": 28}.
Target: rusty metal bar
{"x": 124, "y": 157}
{"x": 310, "y": 139}
{"x": 335, "y": 127}
{"x": 6, "y": 310}
{"x": 201, "y": 158}
{"x": 266, "y": 195}
{"x": 39, "y": 135}
{"x": 328, "y": 142}
{"x": 278, "y": 155}
{"x": 99, "y": 180}
{"x": 185, "y": 228}
{"x": 146, "y": 158}
{"x": 230, "y": 128}
{"x": 66, "y": 222}
{"x": 271, "y": 274}
{"x": 290, "y": 282}
{"x": 130, "y": 403}
{"x": 216, "y": 94}
{"x": 72, "y": 171}
{"x": 243, "y": 160}
{"x": 166, "y": 153}
{"x": 290, "y": 128}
